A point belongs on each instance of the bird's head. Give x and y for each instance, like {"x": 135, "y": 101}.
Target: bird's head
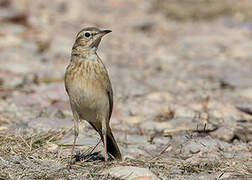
{"x": 90, "y": 38}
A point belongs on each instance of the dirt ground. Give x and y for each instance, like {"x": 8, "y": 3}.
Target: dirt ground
{"x": 181, "y": 71}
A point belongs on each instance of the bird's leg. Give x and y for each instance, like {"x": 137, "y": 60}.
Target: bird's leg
{"x": 76, "y": 133}
{"x": 104, "y": 133}
{"x": 105, "y": 147}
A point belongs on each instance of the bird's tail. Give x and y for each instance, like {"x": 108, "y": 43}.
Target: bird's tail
{"x": 112, "y": 146}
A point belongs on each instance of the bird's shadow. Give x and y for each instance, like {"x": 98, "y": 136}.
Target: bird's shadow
{"x": 89, "y": 157}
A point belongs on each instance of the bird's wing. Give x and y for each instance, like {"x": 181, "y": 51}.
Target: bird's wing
{"x": 110, "y": 96}
{"x": 65, "y": 78}
{"x": 108, "y": 87}
{"x": 109, "y": 91}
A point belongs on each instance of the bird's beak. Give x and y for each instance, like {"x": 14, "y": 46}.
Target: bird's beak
{"x": 100, "y": 34}
{"x": 98, "y": 37}
{"x": 103, "y": 32}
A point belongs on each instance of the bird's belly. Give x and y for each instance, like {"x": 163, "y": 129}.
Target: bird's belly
{"x": 89, "y": 100}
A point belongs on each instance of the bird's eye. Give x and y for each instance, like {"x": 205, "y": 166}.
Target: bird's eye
{"x": 87, "y": 34}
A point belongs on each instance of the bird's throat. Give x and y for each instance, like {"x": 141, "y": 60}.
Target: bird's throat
{"x": 80, "y": 54}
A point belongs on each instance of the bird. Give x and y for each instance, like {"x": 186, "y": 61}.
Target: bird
{"x": 89, "y": 89}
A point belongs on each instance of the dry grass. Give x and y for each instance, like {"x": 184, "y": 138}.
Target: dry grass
{"x": 29, "y": 157}
{"x": 22, "y": 156}
{"x": 204, "y": 9}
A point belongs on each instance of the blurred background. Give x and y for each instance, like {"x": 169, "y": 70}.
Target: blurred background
{"x": 175, "y": 66}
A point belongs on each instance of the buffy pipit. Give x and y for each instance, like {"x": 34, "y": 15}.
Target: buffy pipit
{"x": 89, "y": 89}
